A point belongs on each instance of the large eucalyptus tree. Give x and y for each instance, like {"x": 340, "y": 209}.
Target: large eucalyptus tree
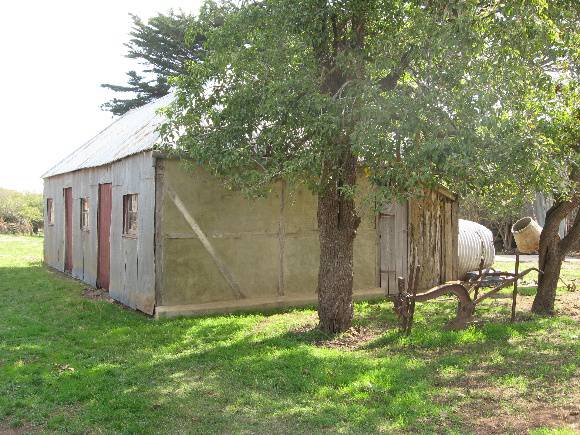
{"x": 555, "y": 116}
{"x": 311, "y": 91}
{"x": 536, "y": 146}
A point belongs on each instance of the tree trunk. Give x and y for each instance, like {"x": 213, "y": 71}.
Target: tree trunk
{"x": 550, "y": 262}
{"x": 337, "y": 224}
{"x": 507, "y": 239}
{"x": 552, "y": 253}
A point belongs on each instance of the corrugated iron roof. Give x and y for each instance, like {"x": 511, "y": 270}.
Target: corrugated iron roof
{"x": 132, "y": 133}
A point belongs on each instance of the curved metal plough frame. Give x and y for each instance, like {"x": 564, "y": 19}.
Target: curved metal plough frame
{"x": 404, "y": 301}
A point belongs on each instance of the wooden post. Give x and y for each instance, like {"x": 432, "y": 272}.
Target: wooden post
{"x": 401, "y": 284}
{"x": 480, "y": 271}
{"x": 414, "y": 285}
{"x": 515, "y": 291}
{"x": 403, "y": 301}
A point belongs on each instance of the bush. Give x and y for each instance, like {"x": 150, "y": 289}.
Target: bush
{"x": 16, "y": 228}
{"x": 20, "y": 213}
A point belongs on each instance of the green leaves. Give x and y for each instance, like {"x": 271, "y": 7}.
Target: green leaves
{"x": 21, "y": 208}
{"x": 161, "y": 46}
{"x": 422, "y": 94}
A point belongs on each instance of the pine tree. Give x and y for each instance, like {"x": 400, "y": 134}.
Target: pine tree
{"x": 164, "y": 45}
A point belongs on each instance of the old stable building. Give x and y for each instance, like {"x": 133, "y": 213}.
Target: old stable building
{"x": 168, "y": 240}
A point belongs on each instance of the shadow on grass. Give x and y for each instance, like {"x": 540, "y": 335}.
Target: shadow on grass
{"x": 68, "y": 363}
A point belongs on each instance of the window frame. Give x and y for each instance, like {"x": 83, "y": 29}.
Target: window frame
{"x": 84, "y": 218}
{"x": 50, "y": 211}
{"x": 130, "y": 215}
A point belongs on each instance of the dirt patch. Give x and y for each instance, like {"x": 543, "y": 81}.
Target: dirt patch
{"x": 488, "y": 406}
{"x": 567, "y": 304}
{"x": 499, "y": 410}
{"x": 537, "y": 415}
{"x": 571, "y": 264}
{"x": 496, "y": 398}
{"x": 25, "y": 429}
{"x": 353, "y": 339}
{"x": 97, "y": 294}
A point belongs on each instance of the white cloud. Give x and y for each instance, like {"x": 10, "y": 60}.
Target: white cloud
{"x": 55, "y": 55}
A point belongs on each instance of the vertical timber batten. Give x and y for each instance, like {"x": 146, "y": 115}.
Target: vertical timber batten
{"x": 104, "y": 217}
{"x": 455, "y": 239}
{"x": 159, "y": 236}
{"x": 282, "y": 238}
{"x": 433, "y": 237}
{"x": 68, "y": 230}
{"x": 422, "y": 232}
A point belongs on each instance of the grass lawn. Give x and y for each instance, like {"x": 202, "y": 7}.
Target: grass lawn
{"x": 72, "y": 364}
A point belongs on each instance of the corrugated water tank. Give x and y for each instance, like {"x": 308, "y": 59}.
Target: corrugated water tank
{"x": 475, "y": 241}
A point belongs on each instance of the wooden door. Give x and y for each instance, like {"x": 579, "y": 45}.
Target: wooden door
{"x": 68, "y": 227}
{"x": 393, "y": 243}
{"x": 104, "y": 235}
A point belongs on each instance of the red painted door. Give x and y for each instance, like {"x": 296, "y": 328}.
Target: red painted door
{"x": 104, "y": 231}
{"x": 68, "y": 218}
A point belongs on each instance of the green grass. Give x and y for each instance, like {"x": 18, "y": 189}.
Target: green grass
{"x": 69, "y": 364}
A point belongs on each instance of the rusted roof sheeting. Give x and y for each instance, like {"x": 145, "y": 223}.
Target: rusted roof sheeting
{"x": 132, "y": 133}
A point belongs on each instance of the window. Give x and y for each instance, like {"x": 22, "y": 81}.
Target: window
{"x": 130, "y": 215}
{"x": 85, "y": 214}
{"x": 50, "y": 211}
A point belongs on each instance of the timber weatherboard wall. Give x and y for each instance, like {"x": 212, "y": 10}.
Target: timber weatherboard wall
{"x": 132, "y": 271}
{"x": 433, "y": 229}
{"x": 421, "y": 231}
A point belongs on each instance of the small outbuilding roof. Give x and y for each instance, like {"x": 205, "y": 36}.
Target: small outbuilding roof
{"x": 134, "y": 132}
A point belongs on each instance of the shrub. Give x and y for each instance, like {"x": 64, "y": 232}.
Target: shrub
{"x": 20, "y": 213}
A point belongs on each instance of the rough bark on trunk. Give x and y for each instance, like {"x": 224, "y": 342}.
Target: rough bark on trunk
{"x": 552, "y": 253}
{"x": 550, "y": 262}
{"x": 337, "y": 224}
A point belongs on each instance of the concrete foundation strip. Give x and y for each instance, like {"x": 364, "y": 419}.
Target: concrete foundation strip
{"x": 221, "y": 265}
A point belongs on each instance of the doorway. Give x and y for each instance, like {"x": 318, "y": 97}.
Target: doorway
{"x": 393, "y": 246}
{"x": 104, "y": 235}
{"x": 68, "y": 254}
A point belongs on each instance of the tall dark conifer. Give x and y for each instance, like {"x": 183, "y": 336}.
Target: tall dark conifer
{"x": 163, "y": 46}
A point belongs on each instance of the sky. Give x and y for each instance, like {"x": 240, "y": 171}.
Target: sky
{"x": 54, "y": 56}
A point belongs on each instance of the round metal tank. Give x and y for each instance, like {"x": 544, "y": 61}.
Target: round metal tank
{"x": 475, "y": 241}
